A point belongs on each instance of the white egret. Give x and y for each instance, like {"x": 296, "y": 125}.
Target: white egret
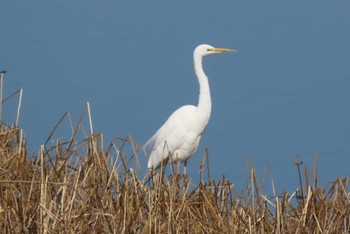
{"x": 179, "y": 136}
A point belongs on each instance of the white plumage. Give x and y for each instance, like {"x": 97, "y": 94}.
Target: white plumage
{"x": 180, "y": 135}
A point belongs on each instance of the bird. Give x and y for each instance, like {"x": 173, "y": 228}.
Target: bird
{"x": 180, "y": 135}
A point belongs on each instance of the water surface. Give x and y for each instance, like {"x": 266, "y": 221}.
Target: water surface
{"x": 285, "y": 93}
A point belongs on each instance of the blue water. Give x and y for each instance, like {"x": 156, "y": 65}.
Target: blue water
{"x": 285, "y": 93}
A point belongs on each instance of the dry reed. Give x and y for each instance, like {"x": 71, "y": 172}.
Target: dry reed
{"x": 78, "y": 186}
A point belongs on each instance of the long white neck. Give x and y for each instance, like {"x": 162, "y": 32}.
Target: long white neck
{"x": 204, "y": 102}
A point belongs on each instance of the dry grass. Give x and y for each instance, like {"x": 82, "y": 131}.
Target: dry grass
{"x": 80, "y": 187}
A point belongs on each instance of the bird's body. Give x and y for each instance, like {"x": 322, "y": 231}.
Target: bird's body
{"x": 180, "y": 135}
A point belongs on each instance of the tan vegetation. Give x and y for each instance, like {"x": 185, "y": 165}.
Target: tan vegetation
{"x": 79, "y": 186}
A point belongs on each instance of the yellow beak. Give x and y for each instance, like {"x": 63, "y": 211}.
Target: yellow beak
{"x": 221, "y": 50}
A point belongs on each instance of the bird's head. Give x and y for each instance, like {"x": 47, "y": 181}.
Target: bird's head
{"x": 204, "y": 49}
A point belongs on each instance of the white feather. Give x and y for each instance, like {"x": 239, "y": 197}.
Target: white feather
{"x": 180, "y": 135}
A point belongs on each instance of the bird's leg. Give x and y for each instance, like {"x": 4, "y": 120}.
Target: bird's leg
{"x": 150, "y": 177}
{"x": 178, "y": 167}
{"x": 185, "y": 169}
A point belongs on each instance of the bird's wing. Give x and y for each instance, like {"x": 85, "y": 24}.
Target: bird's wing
{"x": 170, "y": 136}
{"x": 173, "y": 122}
